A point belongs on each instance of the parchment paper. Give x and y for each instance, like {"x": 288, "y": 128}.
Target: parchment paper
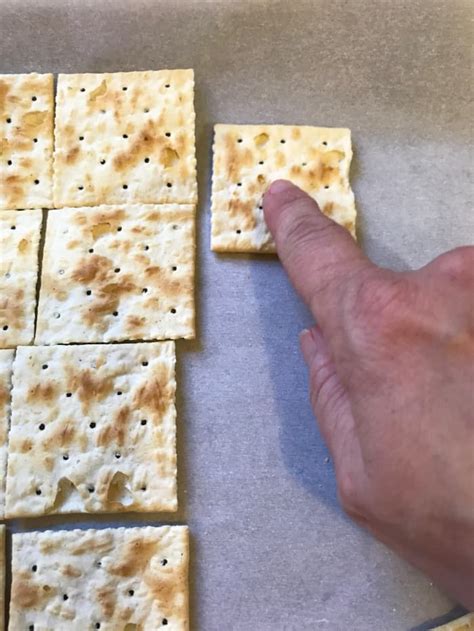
{"x": 271, "y": 549}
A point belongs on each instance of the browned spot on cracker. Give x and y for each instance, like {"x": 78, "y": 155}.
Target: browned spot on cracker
{"x": 280, "y": 159}
{"x": 120, "y": 425}
{"x": 48, "y": 461}
{"x": 106, "y": 301}
{"x": 23, "y": 246}
{"x": 100, "y": 90}
{"x": 328, "y": 208}
{"x": 107, "y": 597}
{"x": 72, "y": 155}
{"x": 111, "y": 216}
{"x": 154, "y": 394}
{"x": 4, "y": 88}
{"x": 169, "y": 157}
{"x": 11, "y": 187}
{"x": 64, "y": 435}
{"x": 33, "y": 119}
{"x": 12, "y": 310}
{"x": 4, "y": 396}
{"x": 41, "y": 393}
{"x": 261, "y": 139}
{"x": 135, "y": 322}
{"x": 26, "y": 163}
{"x": 28, "y": 594}
{"x": 26, "y": 445}
{"x": 71, "y": 571}
{"x": 94, "y": 268}
{"x": 145, "y": 143}
{"x": 134, "y": 558}
{"x": 100, "y": 229}
{"x": 163, "y": 589}
{"x": 102, "y": 543}
{"x": 89, "y": 387}
{"x": 243, "y": 212}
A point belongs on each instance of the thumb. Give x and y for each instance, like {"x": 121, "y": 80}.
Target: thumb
{"x": 331, "y": 407}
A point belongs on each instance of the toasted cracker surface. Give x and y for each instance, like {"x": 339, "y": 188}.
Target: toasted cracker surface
{"x": 26, "y": 140}
{"x": 6, "y": 364}
{"x": 19, "y": 242}
{"x": 247, "y": 158}
{"x": 93, "y": 429}
{"x": 125, "y": 137}
{"x": 111, "y": 579}
{"x": 117, "y": 273}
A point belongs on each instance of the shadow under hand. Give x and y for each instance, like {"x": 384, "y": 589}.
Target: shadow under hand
{"x": 283, "y": 316}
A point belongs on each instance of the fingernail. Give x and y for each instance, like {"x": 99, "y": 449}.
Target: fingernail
{"x": 308, "y": 346}
{"x": 279, "y": 186}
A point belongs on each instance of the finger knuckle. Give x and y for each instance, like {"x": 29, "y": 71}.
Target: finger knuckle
{"x": 378, "y": 304}
{"x": 297, "y": 229}
{"x": 350, "y": 496}
{"x": 326, "y": 395}
{"x": 458, "y": 264}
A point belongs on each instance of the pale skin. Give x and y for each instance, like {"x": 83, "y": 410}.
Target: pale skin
{"x": 391, "y": 372}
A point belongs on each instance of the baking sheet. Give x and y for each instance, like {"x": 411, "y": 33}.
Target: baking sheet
{"x": 271, "y": 549}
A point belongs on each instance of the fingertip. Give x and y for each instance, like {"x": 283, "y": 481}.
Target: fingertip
{"x": 280, "y": 186}
{"x": 278, "y": 195}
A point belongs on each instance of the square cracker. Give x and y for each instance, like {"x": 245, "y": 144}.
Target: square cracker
{"x": 126, "y": 137}
{"x": 6, "y": 363}
{"x": 466, "y": 623}
{"x": 26, "y": 140}
{"x": 19, "y": 242}
{"x": 247, "y": 158}
{"x": 110, "y": 579}
{"x": 117, "y": 273}
{"x": 92, "y": 429}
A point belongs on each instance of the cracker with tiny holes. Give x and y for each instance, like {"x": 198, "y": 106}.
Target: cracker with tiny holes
{"x": 125, "y": 137}
{"x": 247, "y": 158}
{"x": 466, "y": 623}
{"x": 26, "y": 140}
{"x": 111, "y": 579}
{"x": 19, "y": 242}
{"x": 6, "y": 363}
{"x": 117, "y": 273}
{"x": 93, "y": 429}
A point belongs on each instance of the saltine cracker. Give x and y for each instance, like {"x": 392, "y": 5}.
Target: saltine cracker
{"x": 93, "y": 429}
{"x": 247, "y": 158}
{"x": 26, "y": 140}
{"x": 117, "y": 273}
{"x": 110, "y": 579}
{"x": 125, "y": 137}
{"x": 6, "y": 364}
{"x": 20, "y": 234}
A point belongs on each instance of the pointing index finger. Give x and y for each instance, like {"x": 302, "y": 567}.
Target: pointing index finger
{"x": 319, "y": 255}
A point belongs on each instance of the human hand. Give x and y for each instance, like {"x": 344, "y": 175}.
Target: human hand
{"x": 391, "y": 365}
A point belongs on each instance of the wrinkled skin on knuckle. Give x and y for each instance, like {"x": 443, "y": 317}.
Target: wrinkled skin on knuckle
{"x": 378, "y": 308}
{"x": 457, "y": 265}
{"x": 298, "y": 229}
{"x": 323, "y": 384}
{"x": 352, "y": 497}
